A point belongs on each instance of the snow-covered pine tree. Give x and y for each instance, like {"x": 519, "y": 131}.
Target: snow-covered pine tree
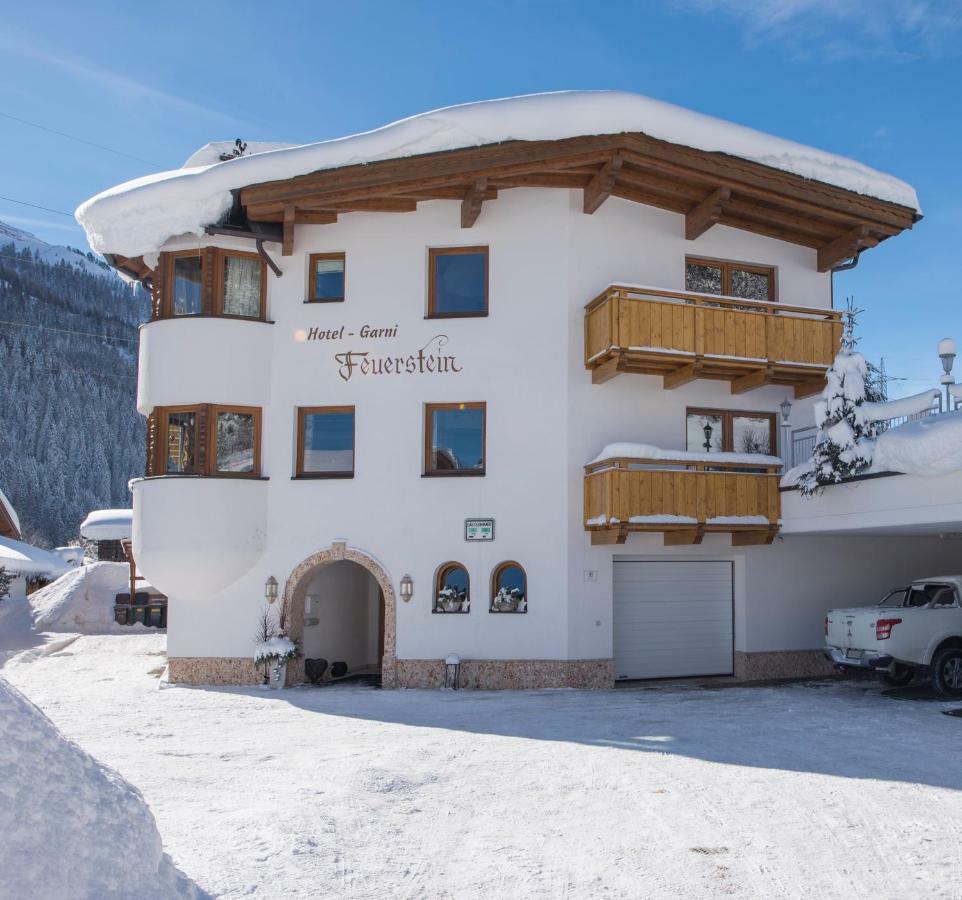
{"x": 6, "y": 579}
{"x": 845, "y": 442}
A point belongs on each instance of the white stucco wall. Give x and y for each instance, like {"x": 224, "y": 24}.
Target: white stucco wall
{"x": 343, "y": 598}
{"x": 544, "y": 421}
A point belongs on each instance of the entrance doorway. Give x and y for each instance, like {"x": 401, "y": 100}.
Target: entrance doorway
{"x": 343, "y": 623}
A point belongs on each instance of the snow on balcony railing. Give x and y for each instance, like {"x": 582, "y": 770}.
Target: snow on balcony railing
{"x": 640, "y": 487}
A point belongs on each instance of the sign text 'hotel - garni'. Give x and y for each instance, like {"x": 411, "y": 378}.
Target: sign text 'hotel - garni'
{"x": 428, "y": 360}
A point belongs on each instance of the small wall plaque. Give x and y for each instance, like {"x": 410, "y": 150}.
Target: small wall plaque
{"x": 479, "y": 529}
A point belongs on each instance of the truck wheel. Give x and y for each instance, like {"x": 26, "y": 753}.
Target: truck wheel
{"x": 900, "y": 675}
{"x": 947, "y": 672}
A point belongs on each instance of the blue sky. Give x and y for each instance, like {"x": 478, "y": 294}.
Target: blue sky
{"x": 874, "y": 79}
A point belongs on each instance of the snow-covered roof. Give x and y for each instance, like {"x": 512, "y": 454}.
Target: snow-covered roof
{"x": 10, "y": 511}
{"x": 136, "y": 218}
{"x": 108, "y": 525}
{"x": 627, "y": 450}
{"x": 25, "y": 559}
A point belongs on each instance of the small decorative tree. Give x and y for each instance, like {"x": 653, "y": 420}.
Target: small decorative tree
{"x": 266, "y": 630}
{"x": 845, "y": 441}
{"x": 6, "y": 579}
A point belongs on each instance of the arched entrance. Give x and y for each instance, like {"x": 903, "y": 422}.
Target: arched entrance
{"x": 296, "y": 591}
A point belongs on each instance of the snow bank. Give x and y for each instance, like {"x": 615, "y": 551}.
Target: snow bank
{"x": 627, "y": 450}
{"x": 929, "y": 446}
{"x": 108, "y": 525}
{"x": 904, "y": 406}
{"x": 69, "y": 827}
{"x": 137, "y": 217}
{"x": 82, "y": 600}
{"x": 25, "y": 559}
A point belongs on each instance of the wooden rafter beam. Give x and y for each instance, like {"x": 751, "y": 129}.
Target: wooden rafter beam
{"x": 606, "y": 371}
{"x": 681, "y": 376}
{"x": 599, "y": 188}
{"x": 315, "y": 217}
{"x": 809, "y": 388}
{"x": 707, "y": 213}
{"x": 287, "y": 247}
{"x": 752, "y": 380}
{"x": 681, "y": 537}
{"x": 472, "y": 202}
{"x": 755, "y": 537}
{"x": 845, "y": 247}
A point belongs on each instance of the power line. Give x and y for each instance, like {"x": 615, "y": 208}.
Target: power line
{"x": 103, "y": 337}
{"x": 80, "y": 140}
{"x": 37, "y": 206}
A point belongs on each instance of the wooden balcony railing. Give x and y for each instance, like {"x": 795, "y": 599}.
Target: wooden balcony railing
{"x": 681, "y": 498}
{"x": 684, "y": 336}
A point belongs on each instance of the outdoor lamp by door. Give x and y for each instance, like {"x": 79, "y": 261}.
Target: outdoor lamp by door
{"x": 407, "y": 588}
{"x": 786, "y": 407}
{"x": 270, "y": 589}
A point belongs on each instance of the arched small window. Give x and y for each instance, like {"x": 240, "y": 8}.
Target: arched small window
{"x": 509, "y": 589}
{"x": 452, "y": 589}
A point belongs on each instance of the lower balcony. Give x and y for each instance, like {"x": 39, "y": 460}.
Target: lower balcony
{"x": 683, "y": 336}
{"x": 683, "y": 496}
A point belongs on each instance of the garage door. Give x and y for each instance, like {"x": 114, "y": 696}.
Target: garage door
{"x": 672, "y": 619}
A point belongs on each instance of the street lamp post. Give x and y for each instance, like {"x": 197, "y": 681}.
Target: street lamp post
{"x": 947, "y": 355}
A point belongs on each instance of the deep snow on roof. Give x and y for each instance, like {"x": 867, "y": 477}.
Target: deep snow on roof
{"x": 25, "y": 559}
{"x": 108, "y": 525}
{"x": 10, "y": 511}
{"x": 137, "y": 217}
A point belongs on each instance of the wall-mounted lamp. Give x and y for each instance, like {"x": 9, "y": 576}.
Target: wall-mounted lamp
{"x": 786, "y": 407}
{"x": 707, "y": 429}
{"x": 407, "y": 588}
{"x": 270, "y": 589}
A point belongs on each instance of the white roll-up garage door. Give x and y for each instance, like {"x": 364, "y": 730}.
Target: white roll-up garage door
{"x": 673, "y": 618}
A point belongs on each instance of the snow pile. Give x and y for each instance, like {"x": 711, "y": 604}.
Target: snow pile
{"x": 82, "y": 600}
{"x": 929, "y": 446}
{"x": 25, "y": 559}
{"x": 628, "y": 450}
{"x": 137, "y": 217}
{"x": 902, "y": 407}
{"x": 108, "y": 525}
{"x": 71, "y": 827}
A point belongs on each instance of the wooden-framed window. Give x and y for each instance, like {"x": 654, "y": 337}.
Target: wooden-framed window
{"x": 454, "y": 438}
{"x": 326, "y": 278}
{"x": 213, "y": 282}
{"x": 452, "y": 589}
{"x": 731, "y": 431}
{"x": 509, "y": 588}
{"x": 746, "y": 281}
{"x": 208, "y": 439}
{"x": 457, "y": 282}
{"x": 325, "y": 442}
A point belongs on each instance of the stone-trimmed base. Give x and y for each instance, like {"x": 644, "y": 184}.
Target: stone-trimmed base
{"x": 511, "y": 674}
{"x": 491, "y": 675}
{"x": 213, "y": 670}
{"x": 775, "y": 664}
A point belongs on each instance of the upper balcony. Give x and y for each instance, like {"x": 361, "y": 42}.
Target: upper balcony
{"x": 682, "y": 496}
{"x": 683, "y": 336}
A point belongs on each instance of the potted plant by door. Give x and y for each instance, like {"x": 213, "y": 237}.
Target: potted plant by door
{"x": 274, "y": 654}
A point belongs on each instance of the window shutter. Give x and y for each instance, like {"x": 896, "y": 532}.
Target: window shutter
{"x": 157, "y": 288}
{"x": 210, "y": 281}
{"x": 153, "y": 450}
{"x": 202, "y": 463}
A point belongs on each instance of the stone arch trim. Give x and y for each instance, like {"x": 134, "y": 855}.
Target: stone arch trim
{"x": 292, "y": 608}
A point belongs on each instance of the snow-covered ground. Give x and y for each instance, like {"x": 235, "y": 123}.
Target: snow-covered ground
{"x": 815, "y": 790}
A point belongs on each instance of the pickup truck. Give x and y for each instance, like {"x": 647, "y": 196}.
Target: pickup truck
{"x": 914, "y": 631}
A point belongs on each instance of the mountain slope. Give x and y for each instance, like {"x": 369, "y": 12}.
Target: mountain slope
{"x": 70, "y": 434}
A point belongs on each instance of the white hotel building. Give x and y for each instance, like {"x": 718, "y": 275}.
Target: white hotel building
{"x": 360, "y": 346}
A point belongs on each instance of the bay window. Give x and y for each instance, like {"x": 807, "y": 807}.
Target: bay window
{"x": 212, "y": 282}
{"x": 207, "y": 439}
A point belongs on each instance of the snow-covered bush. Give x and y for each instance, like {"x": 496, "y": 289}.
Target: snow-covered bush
{"x": 276, "y": 650}
{"x": 6, "y": 579}
{"x": 509, "y": 600}
{"x": 452, "y": 599}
